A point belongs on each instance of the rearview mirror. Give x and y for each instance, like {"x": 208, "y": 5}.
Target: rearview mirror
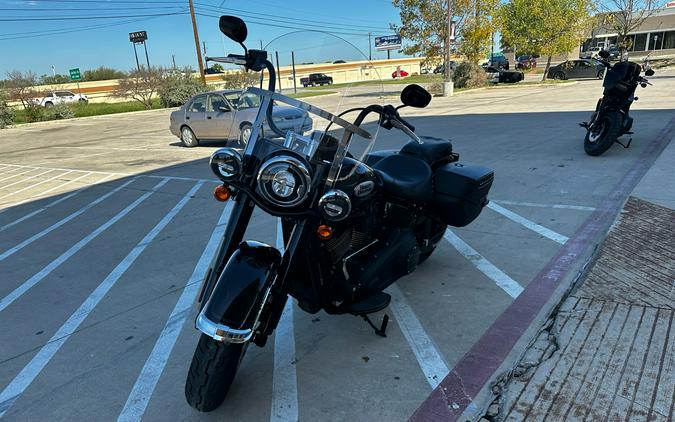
{"x": 415, "y": 96}
{"x": 649, "y": 72}
{"x": 603, "y": 53}
{"x": 234, "y": 28}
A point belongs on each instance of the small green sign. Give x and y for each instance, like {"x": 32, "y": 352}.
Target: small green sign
{"x": 75, "y": 74}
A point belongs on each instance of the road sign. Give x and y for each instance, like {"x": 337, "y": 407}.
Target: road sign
{"x": 75, "y": 74}
{"x": 388, "y": 42}
{"x": 138, "y": 36}
{"x": 670, "y": 4}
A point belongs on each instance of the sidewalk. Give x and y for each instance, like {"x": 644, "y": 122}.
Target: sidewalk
{"x": 608, "y": 353}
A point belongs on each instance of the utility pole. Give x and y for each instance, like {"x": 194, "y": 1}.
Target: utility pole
{"x": 276, "y": 53}
{"x": 370, "y": 48}
{"x": 173, "y": 59}
{"x": 199, "y": 53}
{"x": 206, "y": 64}
{"x": 295, "y": 88}
{"x": 448, "y": 87}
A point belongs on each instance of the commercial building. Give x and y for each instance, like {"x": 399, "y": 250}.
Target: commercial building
{"x": 656, "y": 35}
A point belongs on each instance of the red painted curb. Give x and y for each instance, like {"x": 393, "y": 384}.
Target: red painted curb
{"x": 454, "y": 394}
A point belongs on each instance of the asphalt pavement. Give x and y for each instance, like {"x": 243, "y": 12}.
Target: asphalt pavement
{"x": 107, "y": 225}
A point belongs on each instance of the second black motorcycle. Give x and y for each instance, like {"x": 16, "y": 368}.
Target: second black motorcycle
{"x": 353, "y": 221}
{"x": 611, "y": 118}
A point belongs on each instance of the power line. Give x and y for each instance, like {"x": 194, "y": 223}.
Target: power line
{"x": 312, "y": 22}
{"x": 252, "y": 22}
{"x": 65, "y": 18}
{"x": 88, "y": 9}
{"x": 36, "y": 34}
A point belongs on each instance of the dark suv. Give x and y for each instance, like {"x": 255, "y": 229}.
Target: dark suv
{"x": 499, "y": 61}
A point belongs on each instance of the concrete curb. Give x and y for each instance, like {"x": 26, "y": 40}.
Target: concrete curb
{"x": 60, "y": 121}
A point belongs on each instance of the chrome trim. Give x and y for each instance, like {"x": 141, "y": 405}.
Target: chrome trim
{"x": 344, "y": 261}
{"x": 220, "y": 332}
{"x": 218, "y": 159}
{"x": 304, "y": 182}
{"x": 335, "y": 193}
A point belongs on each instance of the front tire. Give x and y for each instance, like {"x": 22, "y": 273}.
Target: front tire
{"x": 211, "y": 373}
{"x": 559, "y": 76}
{"x": 245, "y": 134}
{"x": 604, "y": 133}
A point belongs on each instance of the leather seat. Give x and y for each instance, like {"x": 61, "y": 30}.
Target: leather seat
{"x": 431, "y": 150}
{"x": 405, "y": 177}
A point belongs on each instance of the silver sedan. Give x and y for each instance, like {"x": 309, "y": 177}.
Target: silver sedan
{"x": 228, "y": 115}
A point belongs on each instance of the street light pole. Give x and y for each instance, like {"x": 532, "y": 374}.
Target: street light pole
{"x": 448, "y": 87}
{"x": 199, "y": 52}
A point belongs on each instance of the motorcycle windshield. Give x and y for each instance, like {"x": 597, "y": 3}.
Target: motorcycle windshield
{"x": 322, "y": 81}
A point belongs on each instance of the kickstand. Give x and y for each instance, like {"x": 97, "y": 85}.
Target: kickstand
{"x": 382, "y": 331}
{"x": 625, "y": 146}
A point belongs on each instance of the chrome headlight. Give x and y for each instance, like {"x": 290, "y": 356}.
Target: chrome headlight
{"x": 335, "y": 205}
{"x": 226, "y": 163}
{"x": 284, "y": 181}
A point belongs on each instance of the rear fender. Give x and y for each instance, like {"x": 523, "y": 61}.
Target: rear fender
{"x": 235, "y": 305}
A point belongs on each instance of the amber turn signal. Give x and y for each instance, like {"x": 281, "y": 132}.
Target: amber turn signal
{"x": 324, "y": 232}
{"x": 222, "y": 193}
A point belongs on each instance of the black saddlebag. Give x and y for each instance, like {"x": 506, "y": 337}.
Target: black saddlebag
{"x": 460, "y": 192}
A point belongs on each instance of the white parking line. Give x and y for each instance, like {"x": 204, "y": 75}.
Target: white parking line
{"x": 26, "y": 179}
{"x": 506, "y": 283}
{"x": 34, "y": 185}
{"x": 428, "y": 357}
{"x": 44, "y": 272}
{"x": 51, "y": 204}
{"x": 15, "y": 249}
{"x": 13, "y": 175}
{"x": 284, "y": 377}
{"x": 42, "y": 358}
{"x": 153, "y": 176}
{"x": 147, "y": 380}
{"x": 536, "y": 205}
{"x": 548, "y": 233}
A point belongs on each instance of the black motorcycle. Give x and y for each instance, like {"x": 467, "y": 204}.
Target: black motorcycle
{"x": 611, "y": 118}
{"x": 351, "y": 226}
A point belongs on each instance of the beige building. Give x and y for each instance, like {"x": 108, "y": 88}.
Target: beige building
{"x": 656, "y": 35}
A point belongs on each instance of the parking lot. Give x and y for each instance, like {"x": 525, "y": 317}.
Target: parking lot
{"x": 107, "y": 226}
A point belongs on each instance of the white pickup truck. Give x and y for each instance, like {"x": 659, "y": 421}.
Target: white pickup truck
{"x": 52, "y": 98}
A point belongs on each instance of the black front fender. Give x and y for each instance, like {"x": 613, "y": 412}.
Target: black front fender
{"x": 238, "y": 296}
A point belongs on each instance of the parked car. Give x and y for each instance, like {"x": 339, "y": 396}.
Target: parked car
{"x": 577, "y": 69}
{"x": 614, "y": 53}
{"x": 441, "y": 68}
{"x": 315, "y": 79}
{"x": 503, "y": 76}
{"x": 591, "y": 53}
{"x": 53, "y": 98}
{"x": 229, "y": 115}
{"x": 339, "y": 61}
{"x": 399, "y": 73}
{"x": 526, "y": 62}
{"x": 499, "y": 61}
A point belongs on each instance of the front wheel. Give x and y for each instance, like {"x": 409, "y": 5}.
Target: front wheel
{"x": 602, "y": 134}
{"x": 559, "y": 76}
{"x": 601, "y": 74}
{"x": 212, "y": 372}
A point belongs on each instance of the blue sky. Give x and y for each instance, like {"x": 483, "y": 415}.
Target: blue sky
{"x": 27, "y": 44}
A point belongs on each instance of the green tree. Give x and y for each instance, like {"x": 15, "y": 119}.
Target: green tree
{"x": 625, "y": 16}
{"x": 424, "y": 26}
{"x": 103, "y": 73}
{"x": 180, "y": 86}
{"x": 6, "y": 112}
{"x": 217, "y": 68}
{"x": 546, "y": 27}
{"x": 240, "y": 80}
